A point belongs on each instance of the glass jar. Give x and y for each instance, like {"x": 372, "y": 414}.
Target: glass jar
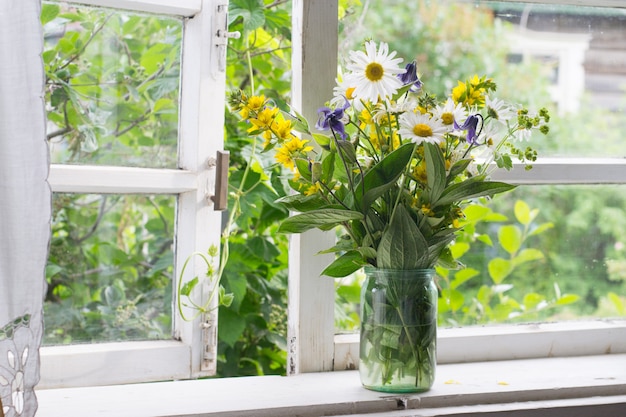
{"x": 398, "y": 330}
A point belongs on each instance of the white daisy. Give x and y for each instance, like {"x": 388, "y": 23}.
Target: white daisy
{"x": 374, "y": 72}
{"x": 499, "y": 110}
{"x": 421, "y": 128}
{"x": 450, "y": 112}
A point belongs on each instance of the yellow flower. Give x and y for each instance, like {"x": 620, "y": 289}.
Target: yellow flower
{"x": 313, "y": 189}
{"x": 264, "y": 119}
{"x": 253, "y": 104}
{"x": 293, "y": 147}
{"x": 419, "y": 172}
{"x": 427, "y": 210}
{"x": 282, "y": 130}
{"x": 471, "y": 93}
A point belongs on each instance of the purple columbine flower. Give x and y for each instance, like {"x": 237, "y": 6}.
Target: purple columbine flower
{"x": 471, "y": 125}
{"x": 410, "y": 77}
{"x": 332, "y": 119}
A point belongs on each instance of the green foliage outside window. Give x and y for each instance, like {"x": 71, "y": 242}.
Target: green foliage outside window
{"x": 111, "y": 260}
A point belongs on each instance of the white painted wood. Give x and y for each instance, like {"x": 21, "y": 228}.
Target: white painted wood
{"x": 186, "y": 8}
{"x": 567, "y": 171}
{"x": 508, "y": 342}
{"x": 311, "y": 306}
{"x": 113, "y": 363}
{"x": 594, "y": 3}
{"x": 201, "y": 133}
{"x": 123, "y": 180}
{"x": 572, "y": 382}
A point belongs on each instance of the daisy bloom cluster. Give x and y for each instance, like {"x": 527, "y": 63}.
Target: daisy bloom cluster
{"x": 390, "y": 158}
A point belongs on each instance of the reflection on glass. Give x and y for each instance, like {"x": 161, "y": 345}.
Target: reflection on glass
{"x": 110, "y": 268}
{"x": 112, "y": 86}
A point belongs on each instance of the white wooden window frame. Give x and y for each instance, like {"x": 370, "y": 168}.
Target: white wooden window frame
{"x": 201, "y": 121}
{"x": 313, "y": 346}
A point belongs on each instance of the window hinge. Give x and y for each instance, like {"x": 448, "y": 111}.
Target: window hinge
{"x": 209, "y": 343}
{"x": 221, "y": 35}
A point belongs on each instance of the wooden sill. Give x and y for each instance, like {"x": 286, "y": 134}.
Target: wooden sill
{"x": 567, "y": 385}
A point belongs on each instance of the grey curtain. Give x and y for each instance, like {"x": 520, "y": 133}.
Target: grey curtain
{"x": 24, "y": 204}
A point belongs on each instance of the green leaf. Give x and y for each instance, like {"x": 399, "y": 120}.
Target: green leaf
{"x": 527, "y": 255}
{"x": 541, "y": 228}
{"x": 225, "y": 299}
{"x": 231, "y": 326}
{"x": 458, "y": 249}
{"x": 251, "y": 11}
{"x": 510, "y": 237}
{"x": 532, "y": 300}
{"x": 463, "y": 276}
{"x": 317, "y": 218}
{"x": 49, "y": 12}
{"x": 567, "y": 299}
{"x": 522, "y": 212}
{"x": 617, "y": 302}
{"x": 189, "y": 286}
{"x": 344, "y": 265}
{"x": 435, "y": 171}
{"x": 347, "y": 151}
{"x": 383, "y": 176}
{"x": 452, "y": 299}
{"x": 402, "y": 245}
{"x": 471, "y": 188}
{"x": 499, "y": 269}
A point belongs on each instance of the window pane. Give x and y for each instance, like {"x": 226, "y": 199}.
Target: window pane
{"x": 110, "y": 268}
{"x": 544, "y": 253}
{"x": 568, "y": 58}
{"x": 112, "y": 86}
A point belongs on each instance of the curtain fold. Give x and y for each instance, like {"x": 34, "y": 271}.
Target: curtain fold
{"x": 25, "y": 204}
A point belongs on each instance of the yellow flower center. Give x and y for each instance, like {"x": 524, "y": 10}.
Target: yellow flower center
{"x": 374, "y": 71}
{"x": 350, "y": 93}
{"x": 422, "y": 130}
{"x": 447, "y": 118}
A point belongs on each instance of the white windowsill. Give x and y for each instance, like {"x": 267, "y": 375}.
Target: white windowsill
{"x": 556, "y": 386}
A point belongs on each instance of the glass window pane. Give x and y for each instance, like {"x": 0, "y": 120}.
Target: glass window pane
{"x": 112, "y": 86}
{"x": 568, "y": 58}
{"x": 543, "y": 253}
{"x": 110, "y": 268}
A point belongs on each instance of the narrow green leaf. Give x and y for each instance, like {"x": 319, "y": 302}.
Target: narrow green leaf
{"x": 302, "y": 203}
{"x": 435, "y": 171}
{"x": 317, "y": 218}
{"x": 382, "y": 176}
{"x": 472, "y": 188}
{"x": 402, "y": 245}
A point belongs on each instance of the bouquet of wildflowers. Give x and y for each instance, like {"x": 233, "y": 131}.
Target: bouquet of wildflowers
{"x": 394, "y": 165}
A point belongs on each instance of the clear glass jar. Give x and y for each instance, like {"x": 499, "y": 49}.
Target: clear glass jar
{"x": 398, "y": 330}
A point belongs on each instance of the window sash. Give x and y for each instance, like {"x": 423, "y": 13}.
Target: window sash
{"x": 185, "y": 8}
{"x": 201, "y": 124}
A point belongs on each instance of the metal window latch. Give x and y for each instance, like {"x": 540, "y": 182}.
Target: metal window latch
{"x": 220, "y": 197}
{"x": 221, "y": 35}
